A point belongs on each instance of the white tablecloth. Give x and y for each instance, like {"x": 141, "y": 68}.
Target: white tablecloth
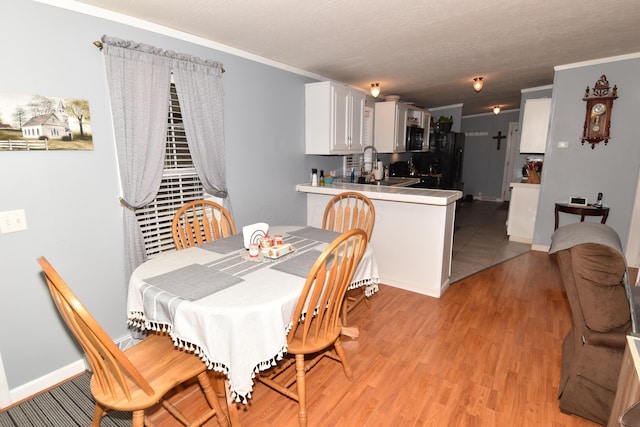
{"x": 232, "y": 311}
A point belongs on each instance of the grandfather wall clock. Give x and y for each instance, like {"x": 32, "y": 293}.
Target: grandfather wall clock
{"x": 597, "y": 123}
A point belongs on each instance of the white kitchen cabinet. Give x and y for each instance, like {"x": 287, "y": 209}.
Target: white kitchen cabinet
{"x": 523, "y": 208}
{"x": 535, "y": 125}
{"x": 390, "y": 126}
{"x": 334, "y": 119}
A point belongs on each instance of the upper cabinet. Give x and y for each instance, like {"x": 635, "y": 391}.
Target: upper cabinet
{"x": 334, "y": 118}
{"x": 390, "y": 127}
{"x": 535, "y": 125}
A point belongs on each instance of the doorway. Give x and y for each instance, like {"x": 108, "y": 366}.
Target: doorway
{"x": 509, "y": 159}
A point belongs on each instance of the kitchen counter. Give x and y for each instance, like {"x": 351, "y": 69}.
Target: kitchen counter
{"x": 412, "y": 234}
{"x": 398, "y": 192}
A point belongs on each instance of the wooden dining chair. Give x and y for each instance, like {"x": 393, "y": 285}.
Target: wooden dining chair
{"x": 316, "y": 331}
{"x": 201, "y": 221}
{"x": 347, "y": 211}
{"x": 138, "y": 378}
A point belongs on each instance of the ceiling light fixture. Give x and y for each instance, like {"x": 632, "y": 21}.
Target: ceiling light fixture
{"x": 375, "y": 89}
{"x": 477, "y": 84}
{"x": 496, "y": 109}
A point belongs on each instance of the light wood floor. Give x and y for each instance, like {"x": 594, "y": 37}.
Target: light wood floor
{"x": 485, "y": 354}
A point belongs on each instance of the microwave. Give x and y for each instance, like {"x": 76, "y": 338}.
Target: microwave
{"x": 415, "y": 138}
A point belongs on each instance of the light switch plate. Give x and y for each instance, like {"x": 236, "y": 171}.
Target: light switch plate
{"x": 11, "y": 221}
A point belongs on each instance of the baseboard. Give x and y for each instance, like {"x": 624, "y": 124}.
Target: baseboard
{"x": 540, "y": 248}
{"x": 45, "y": 382}
{"x": 54, "y": 378}
{"x": 488, "y": 198}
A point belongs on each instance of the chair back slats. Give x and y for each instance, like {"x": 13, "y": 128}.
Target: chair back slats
{"x": 201, "y": 221}
{"x": 111, "y": 368}
{"x": 349, "y": 210}
{"x": 320, "y": 301}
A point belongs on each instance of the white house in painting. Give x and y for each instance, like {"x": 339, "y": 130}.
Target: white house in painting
{"x": 52, "y": 125}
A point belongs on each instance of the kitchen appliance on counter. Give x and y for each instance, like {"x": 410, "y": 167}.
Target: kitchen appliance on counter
{"x": 399, "y": 168}
{"x": 415, "y": 138}
{"x": 425, "y": 168}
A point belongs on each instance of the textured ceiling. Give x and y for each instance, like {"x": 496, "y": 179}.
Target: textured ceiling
{"x": 425, "y": 51}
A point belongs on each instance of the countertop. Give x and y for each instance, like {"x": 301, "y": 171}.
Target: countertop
{"x": 394, "y": 193}
{"x": 524, "y": 185}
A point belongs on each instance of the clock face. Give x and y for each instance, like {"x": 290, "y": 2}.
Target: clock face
{"x": 599, "y": 109}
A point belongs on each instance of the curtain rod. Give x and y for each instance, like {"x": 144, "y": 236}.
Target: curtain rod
{"x": 99, "y": 45}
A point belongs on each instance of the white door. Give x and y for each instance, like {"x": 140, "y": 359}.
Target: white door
{"x": 509, "y": 158}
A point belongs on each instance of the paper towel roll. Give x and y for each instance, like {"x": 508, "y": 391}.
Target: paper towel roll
{"x": 378, "y": 172}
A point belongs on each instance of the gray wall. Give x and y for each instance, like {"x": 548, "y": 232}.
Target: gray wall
{"x": 483, "y": 164}
{"x": 580, "y": 170}
{"x": 71, "y": 198}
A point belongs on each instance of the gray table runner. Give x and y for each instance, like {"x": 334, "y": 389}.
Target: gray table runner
{"x": 226, "y": 245}
{"x": 162, "y": 294}
{"x": 316, "y": 234}
{"x": 298, "y": 265}
{"x": 193, "y": 281}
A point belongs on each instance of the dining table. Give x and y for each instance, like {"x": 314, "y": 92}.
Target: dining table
{"x": 233, "y": 310}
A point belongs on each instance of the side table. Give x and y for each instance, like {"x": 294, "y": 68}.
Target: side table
{"x": 583, "y": 211}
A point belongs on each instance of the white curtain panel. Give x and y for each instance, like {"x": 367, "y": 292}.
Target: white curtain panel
{"x": 199, "y": 87}
{"x": 139, "y": 79}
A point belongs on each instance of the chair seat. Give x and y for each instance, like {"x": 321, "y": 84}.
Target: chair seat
{"x": 162, "y": 374}
{"x": 312, "y": 345}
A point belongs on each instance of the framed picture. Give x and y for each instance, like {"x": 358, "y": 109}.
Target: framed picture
{"x": 37, "y": 122}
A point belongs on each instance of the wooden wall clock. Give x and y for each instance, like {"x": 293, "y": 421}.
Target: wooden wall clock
{"x": 597, "y": 123}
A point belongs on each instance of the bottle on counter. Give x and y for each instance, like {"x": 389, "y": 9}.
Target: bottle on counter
{"x": 353, "y": 175}
{"x": 386, "y": 173}
{"x": 321, "y": 178}
{"x": 314, "y": 177}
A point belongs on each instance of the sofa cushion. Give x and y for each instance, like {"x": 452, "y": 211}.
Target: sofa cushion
{"x": 598, "y": 272}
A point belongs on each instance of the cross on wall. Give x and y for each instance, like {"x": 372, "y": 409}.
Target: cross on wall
{"x": 499, "y": 137}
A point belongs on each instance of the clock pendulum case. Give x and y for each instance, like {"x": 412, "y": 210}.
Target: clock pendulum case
{"x": 597, "y": 123}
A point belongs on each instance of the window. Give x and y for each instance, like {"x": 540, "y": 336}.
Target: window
{"x": 180, "y": 184}
{"x": 355, "y": 160}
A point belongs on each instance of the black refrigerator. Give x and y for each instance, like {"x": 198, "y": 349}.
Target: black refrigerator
{"x": 444, "y": 158}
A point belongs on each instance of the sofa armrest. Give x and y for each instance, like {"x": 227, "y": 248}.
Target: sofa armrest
{"x": 608, "y": 339}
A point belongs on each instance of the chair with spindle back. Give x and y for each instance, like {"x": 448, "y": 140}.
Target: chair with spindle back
{"x": 135, "y": 379}
{"x": 316, "y": 324}
{"x": 348, "y": 211}
{"x": 201, "y": 221}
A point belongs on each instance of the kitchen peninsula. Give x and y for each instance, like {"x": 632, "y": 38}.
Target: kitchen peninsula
{"x": 413, "y": 232}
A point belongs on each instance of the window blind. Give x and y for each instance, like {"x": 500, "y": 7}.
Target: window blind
{"x": 180, "y": 184}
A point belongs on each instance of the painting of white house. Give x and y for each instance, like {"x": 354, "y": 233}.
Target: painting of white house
{"x": 37, "y": 122}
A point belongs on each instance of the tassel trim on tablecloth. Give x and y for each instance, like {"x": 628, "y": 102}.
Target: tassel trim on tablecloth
{"x": 371, "y": 285}
{"x": 138, "y": 320}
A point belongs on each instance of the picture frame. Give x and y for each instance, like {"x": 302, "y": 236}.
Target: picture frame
{"x": 36, "y": 122}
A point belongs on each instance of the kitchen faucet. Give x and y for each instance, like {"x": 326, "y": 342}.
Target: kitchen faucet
{"x": 374, "y": 159}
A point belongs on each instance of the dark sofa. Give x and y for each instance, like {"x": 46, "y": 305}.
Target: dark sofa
{"x": 593, "y": 270}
